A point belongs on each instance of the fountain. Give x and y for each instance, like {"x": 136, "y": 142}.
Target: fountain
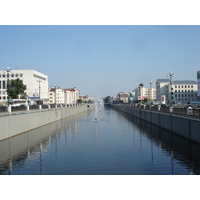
{"x": 98, "y": 109}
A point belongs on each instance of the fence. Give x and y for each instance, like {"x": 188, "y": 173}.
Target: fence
{"x": 176, "y": 110}
{"x": 5, "y": 109}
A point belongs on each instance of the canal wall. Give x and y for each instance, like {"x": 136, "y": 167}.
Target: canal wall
{"x": 18, "y": 123}
{"x": 184, "y": 126}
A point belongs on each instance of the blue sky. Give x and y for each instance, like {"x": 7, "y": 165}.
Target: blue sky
{"x": 102, "y": 60}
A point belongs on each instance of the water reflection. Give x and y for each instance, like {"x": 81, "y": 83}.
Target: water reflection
{"x": 180, "y": 149}
{"x": 116, "y": 144}
{"x": 33, "y": 144}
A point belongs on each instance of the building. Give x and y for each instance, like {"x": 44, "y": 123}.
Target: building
{"x": 122, "y": 97}
{"x": 141, "y": 93}
{"x": 161, "y": 89}
{"x": 36, "y": 83}
{"x": 56, "y": 96}
{"x": 198, "y": 82}
{"x": 63, "y": 96}
{"x": 71, "y": 95}
{"x": 184, "y": 91}
{"x": 180, "y": 92}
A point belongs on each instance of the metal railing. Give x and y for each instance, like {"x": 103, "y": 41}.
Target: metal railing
{"x": 5, "y": 109}
{"x": 176, "y": 110}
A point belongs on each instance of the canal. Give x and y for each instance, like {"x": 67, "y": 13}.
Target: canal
{"x": 114, "y": 144}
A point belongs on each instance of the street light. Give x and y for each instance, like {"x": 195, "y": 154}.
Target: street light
{"x": 7, "y": 71}
{"x": 150, "y": 92}
{"x": 39, "y": 88}
{"x": 170, "y": 74}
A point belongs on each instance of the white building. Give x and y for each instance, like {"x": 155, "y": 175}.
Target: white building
{"x": 141, "y": 93}
{"x": 56, "y": 96}
{"x": 161, "y": 88}
{"x": 63, "y": 96}
{"x": 36, "y": 84}
{"x": 181, "y": 91}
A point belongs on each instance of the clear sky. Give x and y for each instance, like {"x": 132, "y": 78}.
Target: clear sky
{"x": 102, "y": 60}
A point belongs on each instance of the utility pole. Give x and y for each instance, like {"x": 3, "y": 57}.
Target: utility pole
{"x": 170, "y": 74}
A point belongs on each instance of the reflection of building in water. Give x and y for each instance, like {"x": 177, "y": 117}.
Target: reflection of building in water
{"x": 178, "y": 148}
{"x": 28, "y": 145}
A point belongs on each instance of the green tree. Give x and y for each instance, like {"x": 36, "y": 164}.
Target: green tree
{"x": 145, "y": 100}
{"x": 16, "y": 87}
{"x": 79, "y": 101}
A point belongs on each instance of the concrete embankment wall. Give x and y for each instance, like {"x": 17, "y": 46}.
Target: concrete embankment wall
{"x": 18, "y": 123}
{"x": 184, "y": 126}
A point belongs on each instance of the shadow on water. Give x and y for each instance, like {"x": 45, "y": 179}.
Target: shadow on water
{"x": 180, "y": 149}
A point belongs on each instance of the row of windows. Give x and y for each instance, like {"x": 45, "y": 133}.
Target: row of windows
{"x": 186, "y": 100}
{"x": 186, "y": 95}
{"x": 11, "y": 75}
{"x": 186, "y": 86}
{"x": 183, "y": 91}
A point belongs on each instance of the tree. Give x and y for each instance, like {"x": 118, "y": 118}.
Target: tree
{"x": 16, "y": 87}
{"x": 79, "y": 101}
{"x": 145, "y": 100}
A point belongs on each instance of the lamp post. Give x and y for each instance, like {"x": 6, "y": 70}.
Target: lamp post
{"x": 170, "y": 74}
{"x": 55, "y": 94}
{"x": 39, "y": 81}
{"x": 7, "y": 71}
{"x": 150, "y": 92}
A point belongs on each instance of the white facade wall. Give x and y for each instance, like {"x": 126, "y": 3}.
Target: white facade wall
{"x": 68, "y": 98}
{"x": 36, "y": 83}
{"x": 180, "y": 92}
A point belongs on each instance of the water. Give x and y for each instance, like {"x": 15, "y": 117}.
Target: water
{"x": 115, "y": 144}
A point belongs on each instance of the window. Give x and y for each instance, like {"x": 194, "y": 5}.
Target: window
{"x": 179, "y": 91}
{"x": 12, "y": 75}
{"x": 185, "y": 95}
{"x": 188, "y": 86}
{"x": 175, "y": 90}
{"x": 185, "y": 90}
{"x": 179, "y": 86}
{"x": 185, "y": 86}
{"x": 16, "y": 75}
{"x": 175, "y": 86}
{"x": 188, "y": 90}
{"x": 21, "y": 75}
{"x": 4, "y": 85}
{"x": 182, "y": 86}
{"x": 191, "y": 86}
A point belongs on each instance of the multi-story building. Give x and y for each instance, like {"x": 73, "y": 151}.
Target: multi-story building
{"x": 141, "y": 93}
{"x": 36, "y": 84}
{"x": 71, "y": 95}
{"x": 177, "y": 91}
{"x": 122, "y": 97}
{"x": 161, "y": 89}
{"x": 56, "y": 96}
{"x": 63, "y": 96}
{"x": 198, "y": 82}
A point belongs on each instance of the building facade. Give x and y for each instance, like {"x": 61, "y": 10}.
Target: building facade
{"x": 63, "y": 96}
{"x": 36, "y": 83}
{"x": 198, "y": 82}
{"x": 141, "y": 93}
{"x": 177, "y": 92}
